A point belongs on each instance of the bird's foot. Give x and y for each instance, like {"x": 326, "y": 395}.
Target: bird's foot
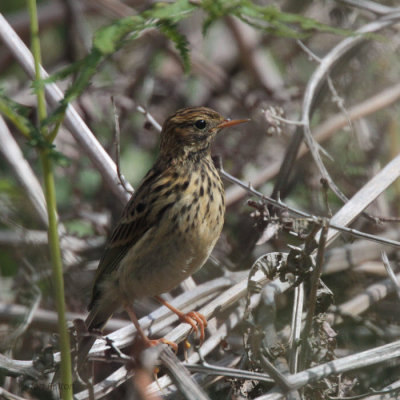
{"x": 154, "y": 342}
{"x": 145, "y": 340}
{"x": 197, "y": 321}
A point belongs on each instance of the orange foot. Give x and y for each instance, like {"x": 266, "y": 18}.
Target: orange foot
{"x": 146, "y": 341}
{"x": 196, "y": 320}
{"x": 193, "y": 318}
{"x": 154, "y": 342}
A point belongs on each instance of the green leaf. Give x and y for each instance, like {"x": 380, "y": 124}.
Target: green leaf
{"x": 60, "y": 158}
{"x": 173, "y": 12}
{"x": 88, "y": 68}
{"x": 64, "y": 72}
{"x": 171, "y": 31}
{"x": 267, "y": 18}
{"x": 17, "y": 114}
{"x": 274, "y": 21}
{"x": 218, "y": 9}
{"x": 107, "y": 40}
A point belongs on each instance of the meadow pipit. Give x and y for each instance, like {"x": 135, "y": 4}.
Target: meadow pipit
{"x": 168, "y": 228}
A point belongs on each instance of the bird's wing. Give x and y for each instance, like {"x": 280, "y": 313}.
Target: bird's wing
{"x": 139, "y": 215}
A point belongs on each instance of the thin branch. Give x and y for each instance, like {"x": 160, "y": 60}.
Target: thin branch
{"x": 9, "y": 367}
{"x": 318, "y": 77}
{"x": 10, "y": 396}
{"x": 46, "y": 320}
{"x": 212, "y": 369}
{"x": 181, "y": 377}
{"x": 308, "y": 51}
{"x": 286, "y": 121}
{"x": 117, "y": 134}
{"x": 363, "y": 359}
{"x": 390, "y": 272}
{"x": 348, "y": 212}
{"x": 392, "y": 387}
{"x": 280, "y": 379}
{"x": 20, "y": 236}
{"x": 25, "y": 175}
{"x": 149, "y": 118}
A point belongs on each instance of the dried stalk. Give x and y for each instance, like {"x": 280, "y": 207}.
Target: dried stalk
{"x": 318, "y": 77}
{"x": 298, "y": 304}
{"x": 360, "y": 360}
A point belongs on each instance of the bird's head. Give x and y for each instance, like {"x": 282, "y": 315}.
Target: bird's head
{"x": 189, "y": 132}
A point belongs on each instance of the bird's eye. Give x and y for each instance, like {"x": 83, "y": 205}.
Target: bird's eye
{"x": 200, "y": 124}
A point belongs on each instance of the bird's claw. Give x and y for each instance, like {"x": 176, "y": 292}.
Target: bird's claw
{"x": 155, "y": 342}
{"x": 197, "y": 321}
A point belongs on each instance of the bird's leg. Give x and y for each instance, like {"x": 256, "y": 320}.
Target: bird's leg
{"x": 148, "y": 342}
{"x": 193, "y": 318}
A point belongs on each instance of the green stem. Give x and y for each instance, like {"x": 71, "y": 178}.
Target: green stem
{"x": 58, "y": 279}
{"x": 50, "y": 195}
{"x": 37, "y": 58}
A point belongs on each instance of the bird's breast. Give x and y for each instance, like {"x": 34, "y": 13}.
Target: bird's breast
{"x": 182, "y": 240}
{"x": 201, "y": 208}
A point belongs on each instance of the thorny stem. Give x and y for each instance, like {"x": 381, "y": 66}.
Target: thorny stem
{"x": 312, "y": 300}
{"x": 310, "y": 217}
{"x": 50, "y": 195}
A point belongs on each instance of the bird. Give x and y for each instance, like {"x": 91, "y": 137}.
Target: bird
{"x": 168, "y": 228}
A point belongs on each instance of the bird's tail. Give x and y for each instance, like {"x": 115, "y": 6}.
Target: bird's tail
{"x": 97, "y": 318}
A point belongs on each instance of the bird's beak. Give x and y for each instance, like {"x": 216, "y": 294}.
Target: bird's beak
{"x": 231, "y": 122}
